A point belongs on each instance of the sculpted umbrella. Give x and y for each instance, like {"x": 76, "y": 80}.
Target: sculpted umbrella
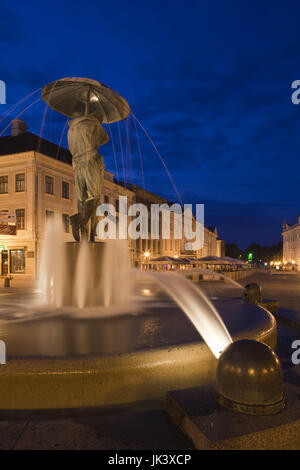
{"x": 77, "y": 97}
{"x": 89, "y": 103}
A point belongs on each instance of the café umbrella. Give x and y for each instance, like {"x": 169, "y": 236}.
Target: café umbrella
{"x": 76, "y": 97}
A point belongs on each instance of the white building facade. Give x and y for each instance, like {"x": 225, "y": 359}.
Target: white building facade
{"x": 291, "y": 244}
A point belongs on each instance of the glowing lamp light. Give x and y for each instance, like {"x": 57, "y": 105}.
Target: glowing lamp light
{"x": 293, "y": 262}
{"x": 94, "y": 98}
{"x": 147, "y": 254}
{"x": 146, "y": 292}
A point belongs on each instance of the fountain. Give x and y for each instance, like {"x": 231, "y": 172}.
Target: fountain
{"x": 88, "y": 274}
{"x": 99, "y": 332}
{"x": 106, "y": 279}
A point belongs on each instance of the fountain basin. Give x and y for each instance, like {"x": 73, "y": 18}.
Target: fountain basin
{"x": 65, "y": 362}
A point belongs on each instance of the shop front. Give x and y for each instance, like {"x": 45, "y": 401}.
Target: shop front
{"x": 14, "y": 260}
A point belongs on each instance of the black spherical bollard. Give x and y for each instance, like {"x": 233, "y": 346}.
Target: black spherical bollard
{"x": 252, "y": 293}
{"x": 249, "y": 379}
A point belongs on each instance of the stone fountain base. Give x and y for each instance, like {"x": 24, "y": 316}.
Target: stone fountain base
{"x": 210, "y": 427}
{"x": 58, "y": 361}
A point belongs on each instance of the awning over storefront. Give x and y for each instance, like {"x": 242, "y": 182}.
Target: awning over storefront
{"x": 209, "y": 260}
{"x": 6, "y": 229}
{"x": 234, "y": 260}
{"x": 219, "y": 261}
{"x": 168, "y": 260}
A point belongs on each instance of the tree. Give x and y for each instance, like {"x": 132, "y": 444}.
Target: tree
{"x": 233, "y": 250}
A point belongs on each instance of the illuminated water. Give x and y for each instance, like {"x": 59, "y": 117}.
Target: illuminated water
{"x": 104, "y": 280}
{"x": 116, "y": 282}
{"x": 53, "y": 276}
{"x": 198, "y": 308}
{"x": 115, "y": 285}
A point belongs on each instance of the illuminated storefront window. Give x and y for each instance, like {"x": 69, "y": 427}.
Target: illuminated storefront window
{"x": 17, "y": 261}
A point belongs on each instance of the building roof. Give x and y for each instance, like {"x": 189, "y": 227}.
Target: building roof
{"x": 143, "y": 194}
{"x": 288, "y": 227}
{"x": 26, "y": 142}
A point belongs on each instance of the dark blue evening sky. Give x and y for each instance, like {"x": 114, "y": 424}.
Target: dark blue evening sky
{"x": 209, "y": 80}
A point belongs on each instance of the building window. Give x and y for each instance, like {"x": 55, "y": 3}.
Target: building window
{"x": 117, "y": 205}
{"x": 65, "y": 190}
{"x": 106, "y": 199}
{"x": 20, "y": 219}
{"x": 3, "y": 184}
{"x": 49, "y": 215}
{"x": 49, "y": 185}
{"x": 17, "y": 261}
{"x": 66, "y": 223}
{"x": 4, "y": 262}
{"x": 20, "y": 182}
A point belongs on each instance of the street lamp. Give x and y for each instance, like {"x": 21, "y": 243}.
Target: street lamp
{"x": 147, "y": 256}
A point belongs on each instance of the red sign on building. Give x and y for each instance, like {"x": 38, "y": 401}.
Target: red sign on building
{"x": 6, "y": 229}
